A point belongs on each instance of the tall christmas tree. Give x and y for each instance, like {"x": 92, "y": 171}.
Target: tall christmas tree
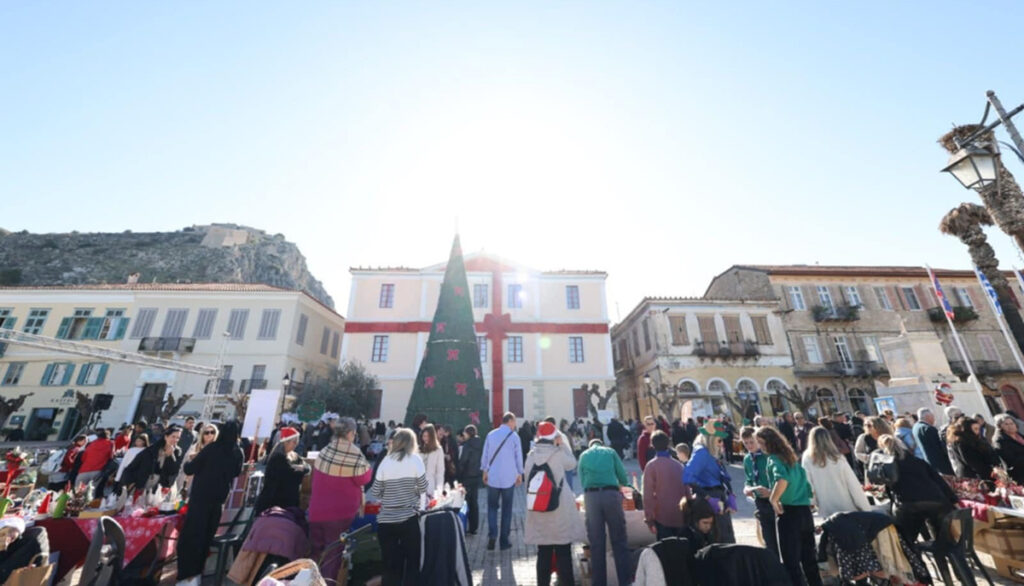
{"x": 449, "y": 386}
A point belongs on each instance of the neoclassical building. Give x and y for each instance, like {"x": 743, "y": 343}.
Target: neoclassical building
{"x": 834, "y": 318}
{"x": 705, "y": 351}
{"x": 542, "y": 334}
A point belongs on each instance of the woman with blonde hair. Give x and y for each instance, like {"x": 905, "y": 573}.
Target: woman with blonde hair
{"x": 433, "y": 458}
{"x": 708, "y": 477}
{"x": 400, "y": 483}
{"x": 836, "y": 488}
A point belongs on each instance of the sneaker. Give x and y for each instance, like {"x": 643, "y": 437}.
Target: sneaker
{"x": 490, "y": 544}
{"x": 505, "y": 546}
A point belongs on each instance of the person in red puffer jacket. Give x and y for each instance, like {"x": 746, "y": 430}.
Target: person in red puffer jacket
{"x": 95, "y": 457}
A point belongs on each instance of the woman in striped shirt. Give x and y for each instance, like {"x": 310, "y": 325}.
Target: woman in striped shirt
{"x": 401, "y": 481}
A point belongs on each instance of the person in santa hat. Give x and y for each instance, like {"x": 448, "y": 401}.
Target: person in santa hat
{"x": 284, "y": 474}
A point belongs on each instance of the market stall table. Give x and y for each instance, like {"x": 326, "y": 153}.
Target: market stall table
{"x": 71, "y": 537}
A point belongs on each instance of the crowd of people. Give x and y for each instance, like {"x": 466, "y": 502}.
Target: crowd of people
{"x": 792, "y": 467}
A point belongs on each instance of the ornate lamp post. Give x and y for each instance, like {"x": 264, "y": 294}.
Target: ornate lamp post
{"x": 286, "y": 382}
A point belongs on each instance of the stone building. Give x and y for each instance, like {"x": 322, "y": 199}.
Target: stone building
{"x": 836, "y": 316}
{"x": 258, "y": 333}
{"x": 542, "y": 334}
{"x": 705, "y": 352}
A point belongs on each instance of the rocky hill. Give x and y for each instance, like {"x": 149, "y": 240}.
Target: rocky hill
{"x": 219, "y": 253}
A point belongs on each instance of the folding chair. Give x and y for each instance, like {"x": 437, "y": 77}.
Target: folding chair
{"x": 105, "y": 558}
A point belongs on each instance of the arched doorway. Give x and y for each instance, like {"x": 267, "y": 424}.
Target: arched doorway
{"x": 746, "y": 392}
{"x": 779, "y": 403}
{"x": 827, "y": 400}
{"x": 717, "y": 388}
{"x": 859, "y": 401}
{"x": 1012, "y": 399}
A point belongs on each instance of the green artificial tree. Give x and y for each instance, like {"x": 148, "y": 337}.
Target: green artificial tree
{"x": 449, "y": 387}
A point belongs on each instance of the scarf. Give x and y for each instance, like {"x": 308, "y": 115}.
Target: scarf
{"x": 341, "y": 458}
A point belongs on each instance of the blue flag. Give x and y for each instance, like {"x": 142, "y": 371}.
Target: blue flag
{"x": 989, "y": 290}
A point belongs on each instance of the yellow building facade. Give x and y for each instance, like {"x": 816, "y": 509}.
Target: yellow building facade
{"x": 257, "y": 333}
{"x": 682, "y": 358}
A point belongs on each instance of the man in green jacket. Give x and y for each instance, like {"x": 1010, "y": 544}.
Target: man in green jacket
{"x": 602, "y": 476}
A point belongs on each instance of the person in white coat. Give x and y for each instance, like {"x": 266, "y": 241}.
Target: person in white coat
{"x": 836, "y": 488}
{"x": 553, "y": 532}
{"x": 433, "y": 458}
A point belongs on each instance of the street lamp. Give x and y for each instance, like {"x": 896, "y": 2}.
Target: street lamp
{"x": 647, "y": 383}
{"x": 973, "y": 166}
{"x": 285, "y": 383}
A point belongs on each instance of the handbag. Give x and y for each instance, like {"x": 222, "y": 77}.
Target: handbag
{"x": 32, "y": 575}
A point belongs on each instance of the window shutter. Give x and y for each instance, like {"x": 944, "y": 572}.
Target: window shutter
{"x": 46, "y": 375}
{"x": 93, "y": 325}
{"x": 784, "y": 298}
{"x": 678, "y": 325}
{"x": 82, "y": 372}
{"x": 67, "y": 374}
{"x": 810, "y": 296}
{"x": 732, "y": 328}
{"x": 897, "y": 299}
{"x": 62, "y": 331}
{"x": 122, "y": 328}
{"x": 103, "y": 374}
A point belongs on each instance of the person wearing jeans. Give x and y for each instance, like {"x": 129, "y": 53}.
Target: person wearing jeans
{"x": 602, "y": 476}
{"x": 502, "y": 468}
{"x": 791, "y": 499}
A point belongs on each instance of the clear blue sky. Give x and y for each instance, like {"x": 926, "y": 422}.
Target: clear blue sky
{"x": 659, "y": 141}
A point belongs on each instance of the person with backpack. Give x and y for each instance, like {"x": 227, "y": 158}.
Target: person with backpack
{"x": 552, "y": 523}
{"x": 917, "y": 493}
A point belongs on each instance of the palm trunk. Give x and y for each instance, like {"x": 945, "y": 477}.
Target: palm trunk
{"x": 1005, "y": 204}
{"x": 984, "y": 257}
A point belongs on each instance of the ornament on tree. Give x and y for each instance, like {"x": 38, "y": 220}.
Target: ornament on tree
{"x": 460, "y": 389}
{"x": 474, "y": 417}
{"x": 439, "y": 328}
{"x": 428, "y": 383}
{"x": 458, "y": 290}
{"x": 476, "y": 372}
{"x": 453, "y": 355}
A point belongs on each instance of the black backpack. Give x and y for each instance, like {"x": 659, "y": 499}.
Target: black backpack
{"x": 882, "y": 469}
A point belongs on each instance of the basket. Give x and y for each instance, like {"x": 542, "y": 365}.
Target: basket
{"x": 289, "y": 570}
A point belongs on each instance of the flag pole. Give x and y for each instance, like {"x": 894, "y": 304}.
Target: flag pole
{"x": 959, "y": 342}
{"x": 1002, "y": 325}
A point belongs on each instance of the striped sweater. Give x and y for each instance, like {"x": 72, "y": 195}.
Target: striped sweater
{"x": 398, "y": 487}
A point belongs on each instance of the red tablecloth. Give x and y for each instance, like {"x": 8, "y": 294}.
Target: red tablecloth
{"x": 978, "y": 510}
{"x": 72, "y": 537}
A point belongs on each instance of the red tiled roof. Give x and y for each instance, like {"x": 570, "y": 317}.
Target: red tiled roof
{"x": 855, "y": 270}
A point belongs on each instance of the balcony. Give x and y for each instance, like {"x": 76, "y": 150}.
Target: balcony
{"x": 961, "y": 314}
{"x": 836, "y": 313}
{"x": 249, "y": 384}
{"x": 220, "y": 386}
{"x": 179, "y": 345}
{"x": 981, "y": 367}
{"x": 864, "y": 368}
{"x": 725, "y": 350}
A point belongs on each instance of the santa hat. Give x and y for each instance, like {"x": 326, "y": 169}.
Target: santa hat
{"x": 547, "y": 430}
{"x": 12, "y": 521}
{"x": 288, "y": 433}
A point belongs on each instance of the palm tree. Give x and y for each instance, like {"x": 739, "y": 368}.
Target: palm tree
{"x": 965, "y": 222}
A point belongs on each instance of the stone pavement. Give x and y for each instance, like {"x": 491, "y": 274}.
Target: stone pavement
{"x": 517, "y": 566}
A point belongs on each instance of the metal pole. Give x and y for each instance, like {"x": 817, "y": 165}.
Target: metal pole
{"x": 1010, "y": 128}
{"x": 963, "y": 351}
